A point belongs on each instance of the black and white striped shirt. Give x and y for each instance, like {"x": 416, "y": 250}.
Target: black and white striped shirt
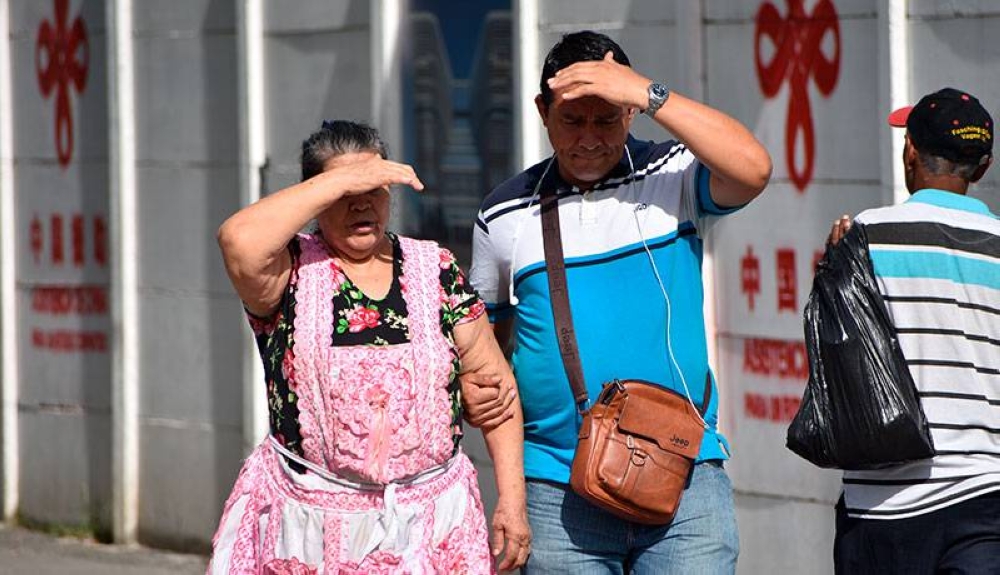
{"x": 937, "y": 261}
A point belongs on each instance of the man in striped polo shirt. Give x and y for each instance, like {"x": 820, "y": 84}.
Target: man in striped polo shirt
{"x": 632, "y": 217}
{"x": 936, "y": 259}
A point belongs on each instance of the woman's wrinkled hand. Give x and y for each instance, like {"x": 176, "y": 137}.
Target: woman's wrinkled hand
{"x": 511, "y": 534}
{"x": 487, "y": 399}
{"x": 369, "y": 173}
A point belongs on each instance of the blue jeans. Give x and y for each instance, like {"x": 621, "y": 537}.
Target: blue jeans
{"x": 569, "y": 535}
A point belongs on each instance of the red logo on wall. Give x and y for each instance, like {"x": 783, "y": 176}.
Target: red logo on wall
{"x": 750, "y": 275}
{"x": 788, "y": 293}
{"x": 798, "y": 56}
{"x": 62, "y": 55}
{"x": 79, "y": 237}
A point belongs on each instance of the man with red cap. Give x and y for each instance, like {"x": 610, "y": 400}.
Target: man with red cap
{"x": 936, "y": 258}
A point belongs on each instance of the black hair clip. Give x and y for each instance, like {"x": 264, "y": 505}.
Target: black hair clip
{"x": 327, "y": 125}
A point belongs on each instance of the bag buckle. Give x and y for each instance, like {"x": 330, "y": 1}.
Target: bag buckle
{"x": 611, "y": 389}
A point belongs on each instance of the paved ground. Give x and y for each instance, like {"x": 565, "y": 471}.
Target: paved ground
{"x": 24, "y": 552}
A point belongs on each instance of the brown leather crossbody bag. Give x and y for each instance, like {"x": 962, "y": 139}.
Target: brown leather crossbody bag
{"x": 638, "y": 442}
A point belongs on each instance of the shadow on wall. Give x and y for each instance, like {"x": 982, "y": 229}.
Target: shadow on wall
{"x": 95, "y": 369}
{"x": 225, "y": 378}
{"x": 182, "y": 492}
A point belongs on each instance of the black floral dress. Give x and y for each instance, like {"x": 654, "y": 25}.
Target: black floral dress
{"x": 360, "y": 320}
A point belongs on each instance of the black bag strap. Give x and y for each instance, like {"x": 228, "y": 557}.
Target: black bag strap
{"x": 559, "y": 296}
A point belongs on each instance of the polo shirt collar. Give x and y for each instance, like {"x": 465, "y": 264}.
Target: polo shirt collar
{"x": 950, "y": 200}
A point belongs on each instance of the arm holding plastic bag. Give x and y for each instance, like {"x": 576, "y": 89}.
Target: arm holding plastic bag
{"x": 860, "y": 409}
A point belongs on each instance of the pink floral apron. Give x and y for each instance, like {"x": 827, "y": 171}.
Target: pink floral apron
{"x": 386, "y": 494}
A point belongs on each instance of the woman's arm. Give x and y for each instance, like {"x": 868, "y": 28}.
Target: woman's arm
{"x": 479, "y": 352}
{"x": 254, "y": 240}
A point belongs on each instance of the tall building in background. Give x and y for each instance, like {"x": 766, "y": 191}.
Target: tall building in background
{"x": 432, "y": 117}
{"x": 492, "y": 100}
{"x": 462, "y": 84}
{"x": 461, "y": 170}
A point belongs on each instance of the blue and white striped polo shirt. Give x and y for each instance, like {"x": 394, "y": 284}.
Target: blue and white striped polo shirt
{"x": 619, "y": 312}
{"x": 937, "y": 261}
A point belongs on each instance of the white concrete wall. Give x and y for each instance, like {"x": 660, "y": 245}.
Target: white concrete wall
{"x": 318, "y": 62}
{"x": 318, "y": 66}
{"x": 953, "y": 43}
{"x": 189, "y": 346}
{"x": 64, "y": 416}
{"x": 781, "y": 498}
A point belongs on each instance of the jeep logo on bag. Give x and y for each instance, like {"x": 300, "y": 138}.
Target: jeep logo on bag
{"x": 680, "y": 441}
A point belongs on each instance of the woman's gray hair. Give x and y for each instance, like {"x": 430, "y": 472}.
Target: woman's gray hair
{"x": 336, "y": 138}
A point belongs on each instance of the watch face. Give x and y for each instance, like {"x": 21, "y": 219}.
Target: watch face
{"x": 658, "y": 90}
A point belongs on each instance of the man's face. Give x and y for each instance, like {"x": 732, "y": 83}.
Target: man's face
{"x": 588, "y": 135}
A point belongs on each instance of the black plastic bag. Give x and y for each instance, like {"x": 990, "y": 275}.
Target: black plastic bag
{"x": 860, "y": 409}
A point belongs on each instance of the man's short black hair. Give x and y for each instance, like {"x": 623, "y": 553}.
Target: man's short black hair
{"x": 581, "y": 46}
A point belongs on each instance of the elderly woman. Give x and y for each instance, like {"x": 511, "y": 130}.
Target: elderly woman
{"x": 363, "y": 334}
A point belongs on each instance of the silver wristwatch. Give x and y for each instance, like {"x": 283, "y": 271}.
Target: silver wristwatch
{"x": 658, "y": 94}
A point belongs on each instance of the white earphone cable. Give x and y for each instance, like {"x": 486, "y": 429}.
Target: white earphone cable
{"x": 663, "y": 290}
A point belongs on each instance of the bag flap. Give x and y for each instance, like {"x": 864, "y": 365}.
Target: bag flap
{"x": 664, "y": 417}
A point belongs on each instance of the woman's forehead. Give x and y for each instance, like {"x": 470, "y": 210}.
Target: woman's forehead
{"x": 349, "y": 158}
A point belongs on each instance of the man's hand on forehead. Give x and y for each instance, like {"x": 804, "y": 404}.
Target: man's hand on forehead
{"x": 605, "y": 79}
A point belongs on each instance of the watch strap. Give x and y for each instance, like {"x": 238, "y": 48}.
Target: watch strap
{"x": 658, "y": 95}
